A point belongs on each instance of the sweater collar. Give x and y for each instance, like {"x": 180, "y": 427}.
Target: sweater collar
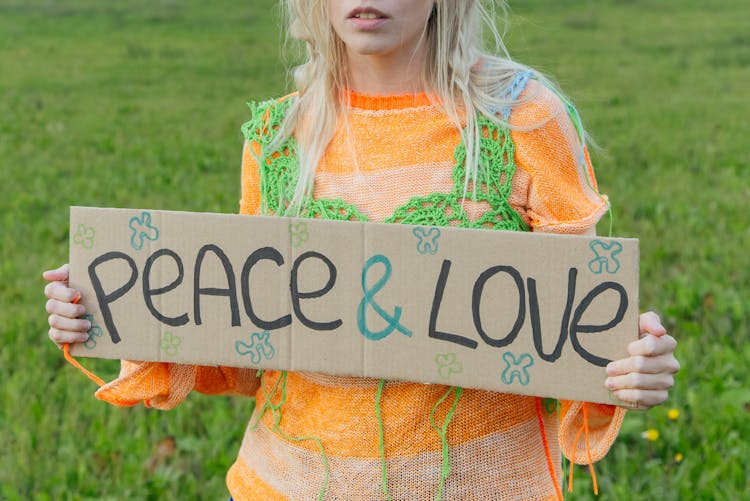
{"x": 378, "y": 102}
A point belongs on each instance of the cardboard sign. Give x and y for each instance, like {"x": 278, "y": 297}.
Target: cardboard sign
{"x": 504, "y": 311}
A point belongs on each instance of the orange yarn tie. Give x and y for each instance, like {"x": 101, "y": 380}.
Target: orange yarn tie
{"x": 550, "y": 465}
{"x": 585, "y": 430}
{"x": 76, "y": 364}
{"x": 573, "y": 460}
{"x": 588, "y": 449}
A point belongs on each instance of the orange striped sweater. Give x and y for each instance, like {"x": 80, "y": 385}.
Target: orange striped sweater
{"x": 326, "y": 439}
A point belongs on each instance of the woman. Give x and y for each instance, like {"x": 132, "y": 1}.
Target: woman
{"x": 402, "y": 116}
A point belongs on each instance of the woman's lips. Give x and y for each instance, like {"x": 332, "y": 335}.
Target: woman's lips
{"x": 367, "y": 18}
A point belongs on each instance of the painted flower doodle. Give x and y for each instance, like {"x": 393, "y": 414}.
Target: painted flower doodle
{"x": 447, "y": 364}
{"x": 94, "y": 332}
{"x": 298, "y": 233}
{"x": 259, "y": 347}
{"x": 427, "y": 239}
{"x": 170, "y": 343}
{"x": 142, "y": 230}
{"x": 84, "y": 236}
{"x": 605, "y": 257}
{"x": 517, "y": 368}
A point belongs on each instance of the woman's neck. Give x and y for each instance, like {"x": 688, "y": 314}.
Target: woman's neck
{"x": 386, "y": 75}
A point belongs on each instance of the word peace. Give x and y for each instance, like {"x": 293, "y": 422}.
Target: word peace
{"x": 106, "y": 298}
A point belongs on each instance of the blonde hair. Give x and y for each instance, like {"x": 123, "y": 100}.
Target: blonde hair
{"x": 460, "y": 72}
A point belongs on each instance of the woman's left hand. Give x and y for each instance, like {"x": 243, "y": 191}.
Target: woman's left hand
{"x": 644, "y": 378}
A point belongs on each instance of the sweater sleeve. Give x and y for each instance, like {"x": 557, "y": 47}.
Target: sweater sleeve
{"x": 164, "y": 385}
{"x": 603, "y": 425}
{"x": 562, "y": 197}
{"x": 562, "y": 193}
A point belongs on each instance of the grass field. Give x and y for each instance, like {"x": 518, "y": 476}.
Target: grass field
{"x": 139, "y": 103}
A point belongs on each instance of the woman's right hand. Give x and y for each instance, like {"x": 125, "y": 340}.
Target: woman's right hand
{"x": 65, "y": 322}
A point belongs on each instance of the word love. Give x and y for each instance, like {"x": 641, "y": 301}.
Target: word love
{"x": 568, "y": 326}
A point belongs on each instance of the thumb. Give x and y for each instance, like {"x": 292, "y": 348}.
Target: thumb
{"x": 650, "y": 323}
{"x": 59, "y": 275}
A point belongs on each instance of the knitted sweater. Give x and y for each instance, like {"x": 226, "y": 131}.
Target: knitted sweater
{"x": 315, "y": 435}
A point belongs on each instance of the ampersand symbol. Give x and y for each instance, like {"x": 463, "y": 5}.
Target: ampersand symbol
{"x": 260, "y": 347}
{"x": 298, "y": 233}
{"x": 170, "y": 343}
{"x": 604, "y": 257}
{"x": 448, "y": 364}
{"x": 369, "y": 300}
{"x": 84, "y": 236}
{"x": 517, "y": 368}
{"x": 142, "y": 230}
{"x": 93, "y": 333}
{"x": 427, "y": 239}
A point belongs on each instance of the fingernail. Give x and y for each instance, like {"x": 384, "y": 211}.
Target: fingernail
{"x": 88, "y": 327}
{"x": 609, "y": 383}
{"x": 610, "y": 369}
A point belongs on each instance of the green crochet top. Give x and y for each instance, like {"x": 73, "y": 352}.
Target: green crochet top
{"x": 279, "y": 172}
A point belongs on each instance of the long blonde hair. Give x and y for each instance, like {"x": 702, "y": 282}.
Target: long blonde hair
{"x": 460, "y": 72}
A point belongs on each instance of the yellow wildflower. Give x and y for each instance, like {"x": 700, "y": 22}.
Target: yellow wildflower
{"x": 650, "y": 434}
{"x": 678, "y": 457}
{"x": 673, "y": 414}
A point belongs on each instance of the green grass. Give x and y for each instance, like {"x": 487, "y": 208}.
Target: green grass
{"x": 138, "y": 104}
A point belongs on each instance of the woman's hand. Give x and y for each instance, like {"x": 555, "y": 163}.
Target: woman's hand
{"x": 646, "y": 376}
{"x": 65, "y": 323}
